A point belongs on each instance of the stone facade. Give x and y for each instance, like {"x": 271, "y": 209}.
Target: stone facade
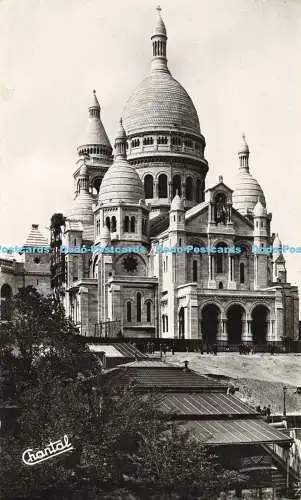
{"x": 32, "y": 270}
{"x": 152, "y": 194}
{"x": 229, "y": 297}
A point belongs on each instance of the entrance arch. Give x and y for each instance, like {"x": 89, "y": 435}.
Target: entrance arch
{"x": 210, "y": 322}
{"x": 235, "y": 317}
{"x": 182, "y": 323}
{"x": 259, "y": 324}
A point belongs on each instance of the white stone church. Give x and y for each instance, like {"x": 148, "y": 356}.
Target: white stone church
{"x": 153, "y": 192}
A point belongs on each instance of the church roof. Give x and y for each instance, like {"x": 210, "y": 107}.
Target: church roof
{"x": 121, "y": 183}
{"x": 35, "y": 237}
{"x": 81, "y": 208}
{"x": 160, "y": 101}
{"x": 95, "y": 133}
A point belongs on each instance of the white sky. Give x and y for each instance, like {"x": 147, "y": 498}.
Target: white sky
{"x": 239, "y": 60}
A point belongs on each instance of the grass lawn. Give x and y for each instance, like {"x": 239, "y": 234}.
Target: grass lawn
{"x": 260, "y": 377}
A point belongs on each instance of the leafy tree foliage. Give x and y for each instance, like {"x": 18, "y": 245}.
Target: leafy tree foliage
{"x": 124, "y": 447}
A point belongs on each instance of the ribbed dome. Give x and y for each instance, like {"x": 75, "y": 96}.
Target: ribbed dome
{"x": 82, "y": 208}
{"x": 160, "y": 102}
{"x": 246, "y": 193}
{"x": 121, "y": 183}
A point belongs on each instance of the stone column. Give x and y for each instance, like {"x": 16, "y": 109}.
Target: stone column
{"x": 231, "y": 281}
{"x": 211, "y": 281}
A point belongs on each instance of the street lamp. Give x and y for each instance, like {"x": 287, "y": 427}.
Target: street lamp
{"x": 284, "y": 402}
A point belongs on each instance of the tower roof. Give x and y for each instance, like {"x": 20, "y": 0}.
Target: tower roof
{"x": 81, "y": 209}
{"x": 160, "y": 28}
{"x": 177, "y": 203}
{"x": 160, "y": 102}
{"x": 35, "y": 237}
{"x": 95, "y": 133}
{"x": 259, "y": 209}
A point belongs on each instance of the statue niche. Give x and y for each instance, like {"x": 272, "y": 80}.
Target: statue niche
{"x": 220, "y": 209}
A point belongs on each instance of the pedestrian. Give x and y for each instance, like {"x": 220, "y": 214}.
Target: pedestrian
{"x": 227, "y": 348}
{"x": 264, "y": 411}
{"x": 268, "y": 411}
{"x": 173, "y": 348}
{"x": 164, "y": 351}
{"x": 258, "y": 409}
{"x": 202, "y": 348}
{"x": 208, "y": 349}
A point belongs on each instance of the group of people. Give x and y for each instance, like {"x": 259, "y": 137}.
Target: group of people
{"x": 265, "y": 411}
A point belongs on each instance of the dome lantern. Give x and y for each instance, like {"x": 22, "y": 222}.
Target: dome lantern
{"x": 159, "y": 41}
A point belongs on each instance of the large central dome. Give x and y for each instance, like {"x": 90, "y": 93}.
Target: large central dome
{"x": 160, "y": 102}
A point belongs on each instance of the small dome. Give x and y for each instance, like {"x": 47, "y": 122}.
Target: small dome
{"x": 246, "y": 193}
{"x": 82, "y": 208}
{"x": 259, "y": 210}
{"x": 121, "y": 182}
{"x": 177, "y": 203}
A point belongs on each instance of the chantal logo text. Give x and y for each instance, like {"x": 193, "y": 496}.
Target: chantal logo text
{"x": 53, "y": 449}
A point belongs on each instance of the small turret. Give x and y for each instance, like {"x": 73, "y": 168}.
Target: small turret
{"x": 279, "y": 269}
{"x": 176, "y": 214}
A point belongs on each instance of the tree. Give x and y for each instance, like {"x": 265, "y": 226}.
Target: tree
{"x": 124, "y": 447}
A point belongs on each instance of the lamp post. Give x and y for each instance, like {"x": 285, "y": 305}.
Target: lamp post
{"x": 284, "y": 402}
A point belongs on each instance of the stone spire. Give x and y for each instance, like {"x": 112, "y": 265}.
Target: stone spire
{"x": 243, "y": 154}
{"x": 120, "y": 142}
{"x": 159, "y": 41}
{"x": 95, "y": 140}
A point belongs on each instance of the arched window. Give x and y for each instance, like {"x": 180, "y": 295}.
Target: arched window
{"x": 194, "y": 270}
{"x": 6, "y": 302}
{"x": 219, "y": 263}
{"x": 114, "y": 229}
{"x": 163, "y": 323}
{"x": 242, "y": 273}
{"x": 129, "y": 312}
{"x": 108, "y": 223}
{"x": 144, "y": 225}
{"x": 149, "y": 186}
{"x": 166, "y": 322}
{"x": 162, "y": 182}
{"x": 220, "y": 285}
{"x": 189, "y": 188}
{"x": 148, "y": 312}
{"x": 176, "y": 185}
{"x": 75, "y": 268}
{"x": 126, "y": 224}
{"x": 133, "y": 223}
{"x": 220, "y": 259}
{"x": 138, "y": 307}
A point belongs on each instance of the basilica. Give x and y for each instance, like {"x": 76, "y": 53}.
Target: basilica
{"x": 151, "y": 191}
